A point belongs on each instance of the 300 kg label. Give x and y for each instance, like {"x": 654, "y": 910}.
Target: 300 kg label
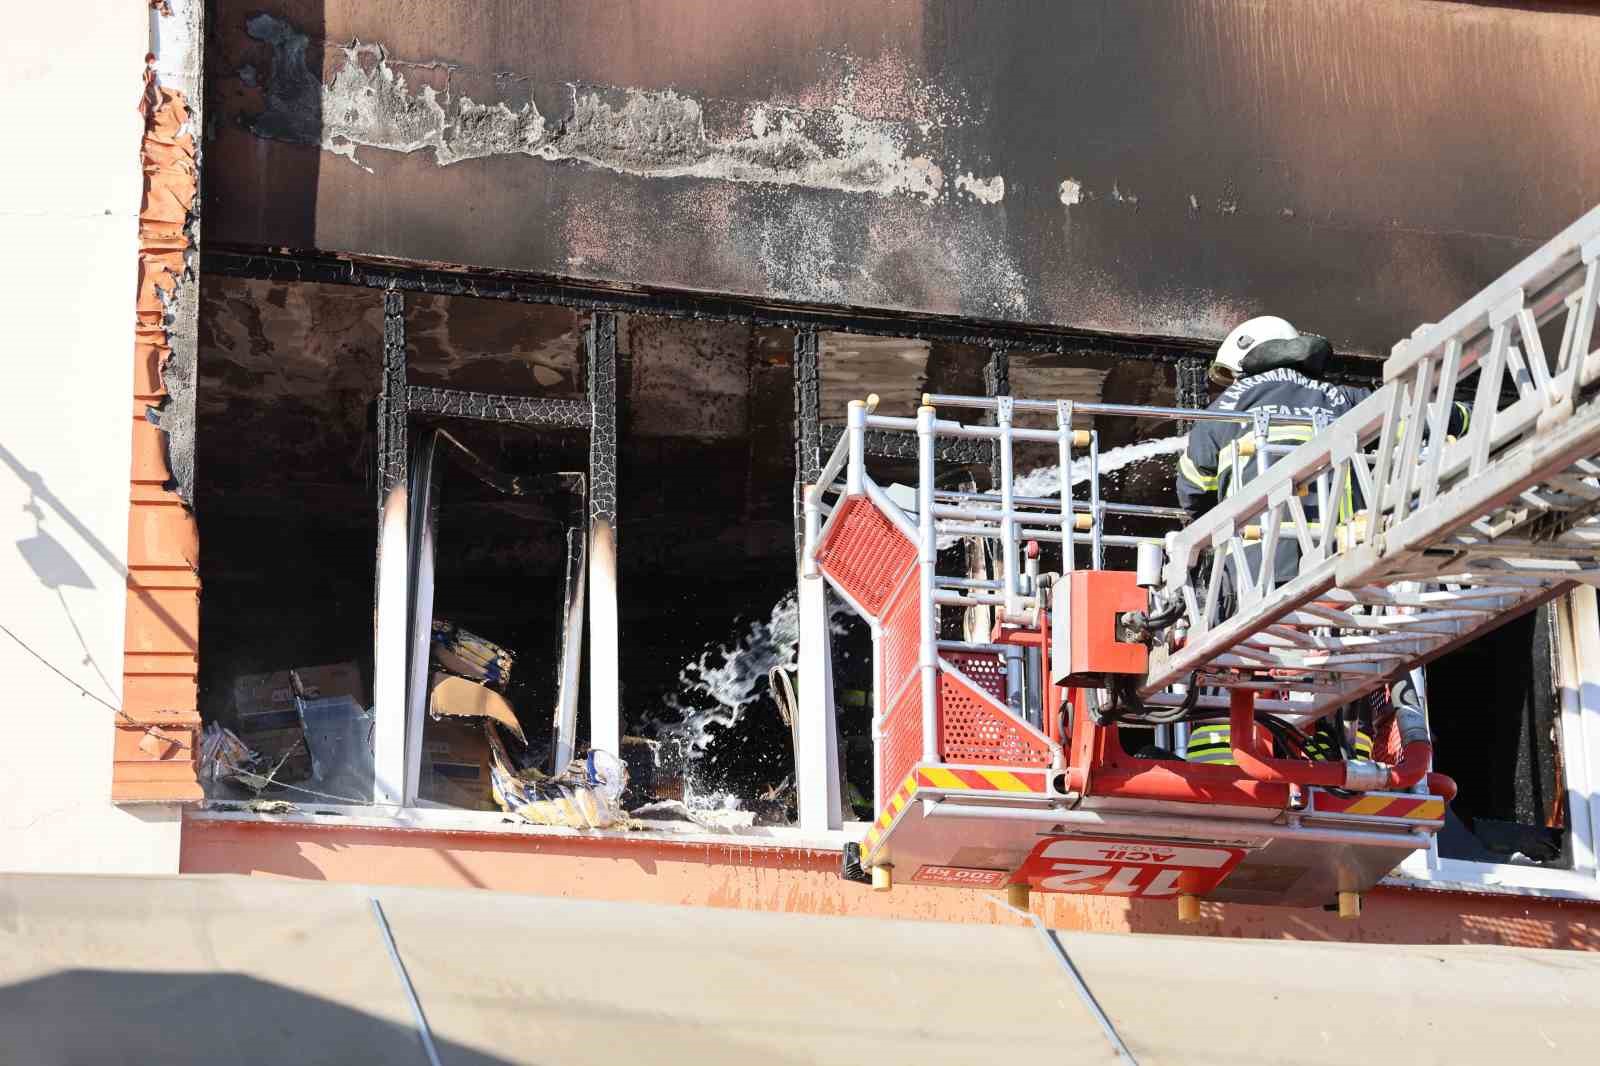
{"x": 1121, "y": 868}
{"x": 959, "y": 875}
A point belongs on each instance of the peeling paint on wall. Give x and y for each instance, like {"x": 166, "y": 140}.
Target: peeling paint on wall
{"x": 370, "y": 100}
{"x": 166, "y": 272}
{"x": 991, "y": 191}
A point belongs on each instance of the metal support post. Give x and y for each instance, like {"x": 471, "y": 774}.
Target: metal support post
{"x": 1064, "y": 461}
{"x": 1015, "y": 679}
{"x": 1008, "y": 520}
{"x": 928, "y": 558}
{"x": 605, "y": 706}
{"x": 855, "y": 475}
{"x": 816, "y": 754}
{"x": 807, "y": 422}
{"x": 424, "y": 524}
{"x": 563, "y": 737}
{"x": 1097, "y": 551}
{"x": 389, "y": 673}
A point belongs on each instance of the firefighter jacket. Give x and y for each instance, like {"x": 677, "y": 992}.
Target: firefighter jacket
{"x": 1205, "y": 469}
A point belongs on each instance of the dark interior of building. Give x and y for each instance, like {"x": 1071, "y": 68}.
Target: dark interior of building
{"x": 286, "y": 494}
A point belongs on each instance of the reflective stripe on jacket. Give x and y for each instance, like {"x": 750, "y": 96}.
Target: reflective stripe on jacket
{"x": 1212, "y": 743}
{"x": 1205, "y": 469}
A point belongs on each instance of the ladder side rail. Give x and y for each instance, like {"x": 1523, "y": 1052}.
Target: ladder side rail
{"x": 1345, "y": 440}
{"x": 1541, "y": 273}
{"x": 1587, "y": 361}
{"x": 1493, "y": 431}
{"x": 1499, "y": 483}
{"x": 1097, "y": 543}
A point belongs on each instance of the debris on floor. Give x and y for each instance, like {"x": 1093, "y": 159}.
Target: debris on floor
{"x": 223, "y": 756}
{"x": 586, "y": 795}
{"x": 468, "y": 655}
{"x": 465, "y": 709}
{"x": 268, "y": 720}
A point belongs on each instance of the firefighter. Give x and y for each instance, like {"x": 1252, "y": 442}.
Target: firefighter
{"x": 1265, "y": 364}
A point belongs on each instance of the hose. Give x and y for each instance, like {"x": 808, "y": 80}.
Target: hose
{"x": 1125, "y": 705}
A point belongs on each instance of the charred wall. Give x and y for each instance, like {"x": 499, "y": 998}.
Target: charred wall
{"x": 1145, "y": 167}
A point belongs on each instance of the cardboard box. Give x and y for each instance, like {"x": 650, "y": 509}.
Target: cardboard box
{"x": 266, "y": 718}
{"x": 457, "y": 697}
{"x": 455, "y": 764}
{"x": 266, "y": 701}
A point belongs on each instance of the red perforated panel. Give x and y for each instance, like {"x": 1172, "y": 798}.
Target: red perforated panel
{"x": 901, "y": 637}
{"x": 1386, "y": 746}
{"x": 901, "y": 745}
{"x": 973, "y": 730}
{"x": 866, "y": 554}
{"x": 983, "y": 668}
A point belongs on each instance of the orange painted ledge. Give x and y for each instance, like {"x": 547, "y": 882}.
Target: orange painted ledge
{"x": 763, "y": 875}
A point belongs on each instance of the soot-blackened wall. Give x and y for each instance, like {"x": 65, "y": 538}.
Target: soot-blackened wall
{"x": 1150, "y": 167}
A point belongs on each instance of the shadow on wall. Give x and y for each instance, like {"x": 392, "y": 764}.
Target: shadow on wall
{"x": 77, "y": 1016}
{"x": 55, "y": 567}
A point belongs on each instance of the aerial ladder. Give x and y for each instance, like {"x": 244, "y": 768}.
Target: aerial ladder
{"x": 1005, "y": 763}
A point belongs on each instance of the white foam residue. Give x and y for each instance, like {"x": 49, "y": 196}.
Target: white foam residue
{"x": 984, "y": 190}
{"x": 1071, "y": 192}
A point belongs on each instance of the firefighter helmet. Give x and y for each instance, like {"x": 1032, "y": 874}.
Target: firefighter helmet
{"x": 1245, "y": 336}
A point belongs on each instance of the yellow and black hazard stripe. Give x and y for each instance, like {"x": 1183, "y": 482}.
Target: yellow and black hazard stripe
{"x": 891, "y": 810}
{"x": 950, "y": 779}
{"x": 1381, "y": 805}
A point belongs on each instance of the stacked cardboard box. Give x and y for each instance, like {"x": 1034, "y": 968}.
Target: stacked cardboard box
{"x": 463, "y": 706}
{"x": 267, "y": 720}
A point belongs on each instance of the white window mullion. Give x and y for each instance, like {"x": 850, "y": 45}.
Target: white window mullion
{"x": 1580, "y": 725}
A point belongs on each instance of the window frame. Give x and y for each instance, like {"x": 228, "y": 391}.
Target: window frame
{"x": 1577, "y": 677}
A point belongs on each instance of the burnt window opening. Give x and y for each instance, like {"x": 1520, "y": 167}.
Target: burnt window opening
{"x": 288, "y": 375}
{"x": 1495, "y": 714}
{"x": 290, "y": 379}
{"x": 505, "y": 503}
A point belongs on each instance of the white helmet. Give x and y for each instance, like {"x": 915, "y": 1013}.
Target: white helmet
{"x": 1245, "y": 336}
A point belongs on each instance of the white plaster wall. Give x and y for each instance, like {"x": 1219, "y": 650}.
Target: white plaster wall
{"x": 69, "y": 198}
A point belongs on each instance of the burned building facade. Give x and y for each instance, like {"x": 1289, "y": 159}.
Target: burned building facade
{"x": 628, "y": 262}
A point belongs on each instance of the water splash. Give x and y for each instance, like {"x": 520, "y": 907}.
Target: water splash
{"x": 1046, "y": 480}
{"x": 727, "y": 679}
{"x": 716, "y": 689}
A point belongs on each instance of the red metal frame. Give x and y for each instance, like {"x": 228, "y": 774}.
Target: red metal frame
{"x": 1096, "y": 763}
